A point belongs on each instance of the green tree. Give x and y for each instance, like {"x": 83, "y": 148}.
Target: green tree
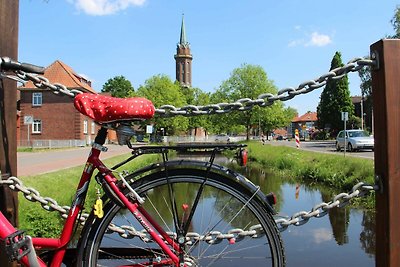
{"x": 248, "y": 81}
{"x": 366, "y": 94}
{"x": 396, "y": 23}
{"x": 162, "y": 91}
{"x": 196, "y": 97}
{"x": 365, "y": 73}
{"x": 335, "y": 98}
{"x": 278, "y": 117}
{"x": 118, "y": 86}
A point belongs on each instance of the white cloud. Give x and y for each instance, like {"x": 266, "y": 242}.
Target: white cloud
{"x": 104, "y": 7}
{"x": 318, "y": 39}
{"x": 296, "y": 43}
{"x": 321, "y": 235}
{"x": 314, "y": 39}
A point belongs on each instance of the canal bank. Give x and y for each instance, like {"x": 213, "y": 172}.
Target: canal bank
{"x": 343, "y": 237}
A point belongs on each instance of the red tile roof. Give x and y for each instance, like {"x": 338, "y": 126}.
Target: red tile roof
{"x": 59, "y": 72}
{"x": 309, "y": 116}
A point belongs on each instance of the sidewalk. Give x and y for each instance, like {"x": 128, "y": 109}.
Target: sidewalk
{"x": 33, "y": 163}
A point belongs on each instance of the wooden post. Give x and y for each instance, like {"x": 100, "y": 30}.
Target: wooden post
{"x": 9, "y": 10}
{"x": 386, "y": 98}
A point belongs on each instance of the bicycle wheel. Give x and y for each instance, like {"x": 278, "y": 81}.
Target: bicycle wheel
{"x": 230, "y": 227}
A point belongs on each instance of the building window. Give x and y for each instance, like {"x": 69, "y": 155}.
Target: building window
{"x": 37, "y": 126}
{"x": 36, "y": 99}
{"x": 85, "y": 126}
{"x": 93, "y": 128}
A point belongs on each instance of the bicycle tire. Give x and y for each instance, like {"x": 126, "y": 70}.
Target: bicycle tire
{"x": 224, "y": 205}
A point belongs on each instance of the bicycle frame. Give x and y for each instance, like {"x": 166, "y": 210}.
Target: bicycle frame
{"x": 59, "y": 245}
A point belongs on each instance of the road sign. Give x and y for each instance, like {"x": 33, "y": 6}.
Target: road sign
{"x": 28, "y": 120}
{"x": 149, "y": 129}
{"x": 345, "y": 116}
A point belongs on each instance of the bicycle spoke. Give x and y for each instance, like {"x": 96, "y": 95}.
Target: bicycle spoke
{"x": 159, "y": 214}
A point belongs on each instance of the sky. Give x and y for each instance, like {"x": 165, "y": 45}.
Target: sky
{"x": 294, "y": 41}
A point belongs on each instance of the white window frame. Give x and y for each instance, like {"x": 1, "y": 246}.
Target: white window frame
{"x": 93, "y": 128}
{"x": 85, "y": 127}
{"x": 37, "y": 126}
{"x": 37, "y": 99}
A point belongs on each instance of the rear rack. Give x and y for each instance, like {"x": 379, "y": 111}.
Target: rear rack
{"x": 206, "y": 148}
{"x": 191, "y": 147}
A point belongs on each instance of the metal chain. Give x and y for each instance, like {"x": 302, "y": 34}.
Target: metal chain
{"x": 43, "y": 83}
{"x": 33, "y": 195}
{"x": 267, "y": 99}
{"x": 214, "y": 237}
{"x": 243, "y": 104}
{"x": 320, "y": 210}
{"x": 297, "y": 219}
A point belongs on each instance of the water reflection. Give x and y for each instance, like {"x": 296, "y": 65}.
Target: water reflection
{"x": 344, "y": 237}
{"x": 367, "y": 236}
{"x": 339, "y": 220}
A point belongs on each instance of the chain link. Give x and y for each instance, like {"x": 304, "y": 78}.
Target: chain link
{"x": 243, "y": 104}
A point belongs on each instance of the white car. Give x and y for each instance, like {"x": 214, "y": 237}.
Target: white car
{"x": 222, "y": 138}
{"x": 355, "y": 140}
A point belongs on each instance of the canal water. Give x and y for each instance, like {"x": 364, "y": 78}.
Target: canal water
{"x": 344, "y": 237}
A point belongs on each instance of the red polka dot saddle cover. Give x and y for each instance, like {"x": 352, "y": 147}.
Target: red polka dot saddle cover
{"x": 103, "y": 108}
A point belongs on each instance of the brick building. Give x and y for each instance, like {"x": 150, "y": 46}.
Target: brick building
{"x": 54, "y": 115}
{"x": 305, "y": 123}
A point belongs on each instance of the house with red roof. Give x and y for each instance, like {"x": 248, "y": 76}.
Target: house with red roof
{"x": 305, "y": 123}
{"x": 45, "y": 116}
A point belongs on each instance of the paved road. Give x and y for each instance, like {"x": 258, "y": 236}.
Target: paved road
{"x": 32, "y": 163}
{"x": 324, "y": 147}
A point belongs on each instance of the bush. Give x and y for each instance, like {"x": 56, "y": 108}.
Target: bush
{"x": 320, "y": 135}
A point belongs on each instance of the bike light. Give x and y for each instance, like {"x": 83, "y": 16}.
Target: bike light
{"x": 271, "y": 199}
{"x": 242, "y": 157}
{"x": 124, "y": 134}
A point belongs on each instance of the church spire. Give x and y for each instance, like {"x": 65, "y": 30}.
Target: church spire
{"x": 183, "y": 40}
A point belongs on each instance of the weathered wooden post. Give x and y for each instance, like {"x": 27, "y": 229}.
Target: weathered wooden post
{"x": 9, "y": 10}
{"x": 386, "y": 95}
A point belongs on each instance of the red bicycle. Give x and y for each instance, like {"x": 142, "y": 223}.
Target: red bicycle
{"x": 172, "y": 213}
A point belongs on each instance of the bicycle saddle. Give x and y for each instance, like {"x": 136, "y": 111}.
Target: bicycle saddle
{"x": 103, "y": 108}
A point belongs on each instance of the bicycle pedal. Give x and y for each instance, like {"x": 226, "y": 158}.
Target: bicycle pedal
{"x": 16, "y": 246}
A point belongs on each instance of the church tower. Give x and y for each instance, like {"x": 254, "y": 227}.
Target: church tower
{"x": 183, "y": 59}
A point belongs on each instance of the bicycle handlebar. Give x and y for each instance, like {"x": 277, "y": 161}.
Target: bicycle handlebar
{"x": 7, "y": 63}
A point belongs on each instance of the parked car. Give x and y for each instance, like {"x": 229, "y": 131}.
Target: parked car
{"x": 281, "y": 137}
{"x": 355, "y": 140}
{"x": 222, "y": 138}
